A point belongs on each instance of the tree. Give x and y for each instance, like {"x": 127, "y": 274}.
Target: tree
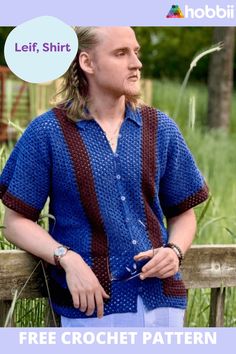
{"x": 220, "y": 79}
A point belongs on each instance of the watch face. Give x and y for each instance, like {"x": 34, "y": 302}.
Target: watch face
{"x": 60, "y": 251}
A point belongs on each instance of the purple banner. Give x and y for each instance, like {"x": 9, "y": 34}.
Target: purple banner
{"x": 123, "y": 12}
{"x": 128, "y": 340}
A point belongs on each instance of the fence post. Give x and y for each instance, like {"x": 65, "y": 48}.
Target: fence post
{"x": 217, "y": 305}
{"x": 147, "y": 91}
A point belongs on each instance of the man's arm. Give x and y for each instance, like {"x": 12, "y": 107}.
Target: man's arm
{"x": 182, "y": 229}
{"x": 86, "y": 291}
{"x": 165, "y": 263}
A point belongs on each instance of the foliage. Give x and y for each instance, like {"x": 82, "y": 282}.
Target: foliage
{"x": 165, "y": 96}
{"x": 168, "y": 51}
{"x": 4, "y": 31}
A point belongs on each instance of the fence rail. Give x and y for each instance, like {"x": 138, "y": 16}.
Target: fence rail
{"x": 205, "y": 266}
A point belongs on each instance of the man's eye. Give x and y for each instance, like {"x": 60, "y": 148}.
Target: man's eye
{"x": 119, "y": 54}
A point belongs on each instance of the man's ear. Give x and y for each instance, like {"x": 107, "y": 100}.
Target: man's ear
{"x": 86, "y": 63}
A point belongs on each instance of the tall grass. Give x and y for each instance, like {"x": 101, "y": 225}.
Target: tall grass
{"x": 215, "y": 154}
{"x": 24, "y": 312}
{"x": 165, "y": 97}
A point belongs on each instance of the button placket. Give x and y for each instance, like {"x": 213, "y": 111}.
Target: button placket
{"x": 123, "y": 197}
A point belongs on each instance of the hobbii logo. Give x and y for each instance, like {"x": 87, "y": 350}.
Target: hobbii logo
{"x": 209, "y": 12}
{"x": 200, "y": 12}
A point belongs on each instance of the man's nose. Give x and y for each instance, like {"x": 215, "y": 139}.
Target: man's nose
{"x": 135, "y": 62}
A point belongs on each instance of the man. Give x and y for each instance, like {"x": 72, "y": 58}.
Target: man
{"x": 112, "y": 169}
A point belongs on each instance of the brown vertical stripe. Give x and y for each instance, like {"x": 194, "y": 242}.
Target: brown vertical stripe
{"x": 150, "y": 125}
{"x": 82, "y": 167}
{"x": 171, "y": 286}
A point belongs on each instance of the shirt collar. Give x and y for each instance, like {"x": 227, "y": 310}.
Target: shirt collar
{"x": 130, "y": 114}
{"x": 133, "y": 114}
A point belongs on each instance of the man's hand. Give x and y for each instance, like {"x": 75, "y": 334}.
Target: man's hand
{"x": 86, "y": 291}
{"x": 163, "y": 264}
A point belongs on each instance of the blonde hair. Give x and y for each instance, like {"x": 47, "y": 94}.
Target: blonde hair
{"x": 73, "y": 95}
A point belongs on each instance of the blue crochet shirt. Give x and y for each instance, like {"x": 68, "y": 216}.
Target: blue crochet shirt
{"x": 108, "y": 206}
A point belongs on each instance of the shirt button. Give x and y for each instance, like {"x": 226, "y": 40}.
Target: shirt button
{"x": 140, "y": 289}
{"x": 115, "y": 154}
{"x": 123, "y": 198}
{"x": 134, "y": 242}
{"x": 127, "y": 219}
{"x": 118, "y": 176}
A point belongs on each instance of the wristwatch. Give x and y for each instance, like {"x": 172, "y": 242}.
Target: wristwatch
{"x": 60, "y": 252}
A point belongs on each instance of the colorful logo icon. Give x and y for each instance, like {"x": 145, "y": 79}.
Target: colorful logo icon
{"x": 175, "y": 12}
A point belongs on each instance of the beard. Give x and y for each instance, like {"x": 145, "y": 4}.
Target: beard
{"x": 133, "y": 94}
{"x": 130, "y": 90}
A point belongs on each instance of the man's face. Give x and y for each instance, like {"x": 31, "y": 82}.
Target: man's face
{"x": 115, "y": 61}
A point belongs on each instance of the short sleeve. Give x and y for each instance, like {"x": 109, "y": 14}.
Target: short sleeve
{"x": 25, "y": 179}
{"x": 182, "y": 185}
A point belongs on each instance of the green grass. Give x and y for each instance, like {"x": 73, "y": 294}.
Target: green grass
{"x": 215, "y": 154}
{"x": 165, "y": 96}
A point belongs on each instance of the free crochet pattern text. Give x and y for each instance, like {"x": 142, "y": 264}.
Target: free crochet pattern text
{"x": 118, "y": 337}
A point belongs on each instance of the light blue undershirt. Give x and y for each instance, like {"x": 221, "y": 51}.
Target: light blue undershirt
{"x": 160, "y": 317}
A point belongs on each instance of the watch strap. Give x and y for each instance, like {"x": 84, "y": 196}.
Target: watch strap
{"x": 57, "y": 258}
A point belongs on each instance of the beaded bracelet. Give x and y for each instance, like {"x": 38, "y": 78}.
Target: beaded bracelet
{"x": 177, "y": 250}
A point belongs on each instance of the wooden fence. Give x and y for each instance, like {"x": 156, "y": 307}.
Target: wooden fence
{"x": 205, "y": 266}
{"x": 20, "y": 101}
